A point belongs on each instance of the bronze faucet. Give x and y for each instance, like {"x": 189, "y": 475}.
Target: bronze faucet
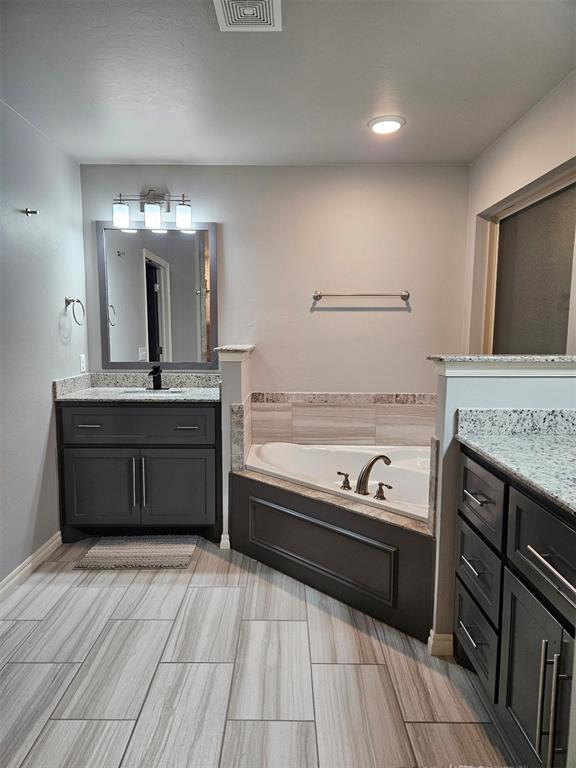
{"x": 364, "y": 476}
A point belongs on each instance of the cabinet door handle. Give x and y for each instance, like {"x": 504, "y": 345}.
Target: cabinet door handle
{"x": 540, "y": 705}
{"x": 542, "y": 560}
{"x": 184, "y": 426}
{"x": 480, "y": 502}
{"x": 143, "y": 466}
{"x": 464, "y": 628}
{"x": 553, "y": 708}
{"x": 470, "y": 566}
{"x": 89, "y": 426}
{"x": 133, "y": 482}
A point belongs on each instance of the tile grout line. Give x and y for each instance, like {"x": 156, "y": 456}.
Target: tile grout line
{"x": 226, "y": 719}
{"x": 311, "y": 676}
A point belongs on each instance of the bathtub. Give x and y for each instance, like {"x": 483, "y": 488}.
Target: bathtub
{"x": 316, "y": 466}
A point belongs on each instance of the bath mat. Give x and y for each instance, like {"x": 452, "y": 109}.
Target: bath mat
{"x": 114, "y": 552}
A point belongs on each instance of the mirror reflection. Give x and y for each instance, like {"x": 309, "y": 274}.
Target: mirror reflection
{"x": 158, "y": 296}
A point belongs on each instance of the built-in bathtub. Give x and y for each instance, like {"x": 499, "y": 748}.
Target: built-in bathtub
{"x": 316, "y": 466}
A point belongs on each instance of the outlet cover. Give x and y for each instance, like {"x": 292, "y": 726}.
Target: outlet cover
{"x": 142, "y": 354}
{"x": 82, "y": 363}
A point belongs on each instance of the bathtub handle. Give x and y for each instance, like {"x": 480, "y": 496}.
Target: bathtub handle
{"x": 346, "y": 482}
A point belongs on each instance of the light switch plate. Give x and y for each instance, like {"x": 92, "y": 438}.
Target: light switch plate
{"x": 82, "y": 363}
{"x": 142, "y": 354}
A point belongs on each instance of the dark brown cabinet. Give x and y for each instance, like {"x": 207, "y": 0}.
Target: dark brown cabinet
{"x": 130, "y": 467}
{"x": 515, "y": 608}
{"x": 535, "y": 677}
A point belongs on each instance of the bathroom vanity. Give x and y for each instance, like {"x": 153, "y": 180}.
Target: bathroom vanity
{"x": 133, "y": 461}
{"x": 515, "y": 588}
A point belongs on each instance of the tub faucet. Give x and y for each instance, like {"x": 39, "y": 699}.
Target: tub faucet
{"x": 364, "y": 476}
{"x": 346, "y": 482}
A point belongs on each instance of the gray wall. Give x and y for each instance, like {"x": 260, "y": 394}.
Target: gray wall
{"x": 287, "y": 231}
{"x": 41, "y": 262}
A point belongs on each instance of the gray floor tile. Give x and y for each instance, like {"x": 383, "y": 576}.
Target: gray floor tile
{"x": 76, "y": 744}
{"x": 269, "y": 745}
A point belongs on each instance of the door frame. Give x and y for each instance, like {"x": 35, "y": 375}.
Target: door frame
{"x": 548, "y": 185}
{"x": 165, "y": 313}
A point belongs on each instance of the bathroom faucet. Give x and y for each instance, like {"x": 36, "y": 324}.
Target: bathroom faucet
{"x": 364, "y": 476}
{"x": 156, "y": 374}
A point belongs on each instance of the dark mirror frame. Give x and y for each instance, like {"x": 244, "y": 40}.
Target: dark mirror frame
{"x": 211, "y": 229}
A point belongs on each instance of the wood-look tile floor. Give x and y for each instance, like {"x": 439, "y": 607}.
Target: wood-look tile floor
{"x": 225, "y": 664}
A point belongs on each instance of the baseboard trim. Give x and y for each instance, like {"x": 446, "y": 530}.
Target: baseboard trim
{"x": 440, "y": 645}
{"x": 30, "y": 564}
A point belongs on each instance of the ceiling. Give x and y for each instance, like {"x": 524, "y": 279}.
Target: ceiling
{"x": 149, "y": 81}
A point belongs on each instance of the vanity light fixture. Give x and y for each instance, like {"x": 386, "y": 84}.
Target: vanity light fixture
{"x": 120, "y": 214}
{"x": 152, "y": 216}
{"x": 183, "y": 215}
{"x": 386, "y": 124}
{"x": 188, "y": 231}
{"x": 159, "y": 231}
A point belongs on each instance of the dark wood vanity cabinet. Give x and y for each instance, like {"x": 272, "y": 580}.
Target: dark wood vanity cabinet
{"x": 515, "y": 608}
{"x": 138, "y": 467}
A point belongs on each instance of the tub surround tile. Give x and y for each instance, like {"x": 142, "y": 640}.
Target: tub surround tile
{"x": 207, "y": 626}
{"x": 33, "y": 690}
{"x": 330, "y": 424}
{"x": 276, "y": 744}
{"x": 182, "y": 721}
{"x": 237, "y": 436}
{"x": 393, "y": 518}
{"x": 358, "y": 719}
{"x": 75, "y": 744}
{"x": 340, "y": 398}
{"x": 340, "y": 634}
{"x": 517, "y": 421}
{"x": 408, "y": 424}
{"x": 541, "y": 462}
{"x": 272, "y": 672}
{"x": 271, "y": 423}
{"x": 564, "y": 359}
{"x": 113, "y": 681}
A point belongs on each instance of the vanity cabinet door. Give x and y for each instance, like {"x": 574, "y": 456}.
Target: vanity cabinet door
{"x": 101, "y": 486}
{"x": 534, "y": 694}
{"x": 178, "y": 486}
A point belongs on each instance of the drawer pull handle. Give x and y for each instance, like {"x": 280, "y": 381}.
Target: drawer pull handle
{"x": 466, "y": 631}
{"x": 89, "y": 426}
{"x": 542, "y": 560}
{"x": 470, "y": 566}
{"x": 540, "y": 706}
{"x": 553, "y": 708}
{"x": 184, "y": 426}
{"x": 481, "y": 502}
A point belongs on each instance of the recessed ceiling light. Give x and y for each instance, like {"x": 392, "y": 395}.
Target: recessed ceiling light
{"x": 386, "y": 124}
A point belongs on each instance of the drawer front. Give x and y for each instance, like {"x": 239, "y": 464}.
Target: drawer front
{"x": 480, "y": 569}
{"x": 481, "y": 500}
{"x": 543, "y": 548}
{"x": 138, "y": 426}
{"x": 477, "y": 638}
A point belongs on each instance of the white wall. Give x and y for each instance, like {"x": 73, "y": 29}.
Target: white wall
{"x": 543, "y": 139}
{"x": 288, "y": 231}
{"x": 42, "y": 261}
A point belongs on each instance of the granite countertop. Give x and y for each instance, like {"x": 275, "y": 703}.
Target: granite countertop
{"x": 142, "y": 395}
{"x": 545, "y": 463}
{"x": 503, "y": 358}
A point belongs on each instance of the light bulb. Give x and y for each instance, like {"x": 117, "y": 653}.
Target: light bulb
{"x": 121, "y": 215}
{"x": 183, "y": 216}
{"x": 152, "y": 216}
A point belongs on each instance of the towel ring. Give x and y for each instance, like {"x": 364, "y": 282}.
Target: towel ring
{"x": 68, "y": 301}
{"x": 113, "y": 308}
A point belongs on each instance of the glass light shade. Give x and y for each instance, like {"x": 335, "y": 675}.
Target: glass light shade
{"x": 183, "y": 216}
{"x": 121, "y": 215}
{"x": 152, "y": 216}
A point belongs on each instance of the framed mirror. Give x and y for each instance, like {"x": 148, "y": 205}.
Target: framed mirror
{"x": 158, "y": 296}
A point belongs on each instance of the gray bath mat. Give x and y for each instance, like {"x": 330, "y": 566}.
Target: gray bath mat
{"x": 114, "y": 552}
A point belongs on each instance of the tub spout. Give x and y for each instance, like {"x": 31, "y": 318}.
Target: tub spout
{"x": 364, "y": 476}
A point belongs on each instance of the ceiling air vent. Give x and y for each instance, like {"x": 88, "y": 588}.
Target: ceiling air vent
{"x": 249, "y": 15}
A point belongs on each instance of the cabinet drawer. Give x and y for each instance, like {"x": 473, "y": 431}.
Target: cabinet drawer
{"x": 543, "y": 548}
{"x": 481, "y": 500}
{"x": 477, "y": 638}
{"x": 83, "y": 425}
{"x": 480, "y": 569}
